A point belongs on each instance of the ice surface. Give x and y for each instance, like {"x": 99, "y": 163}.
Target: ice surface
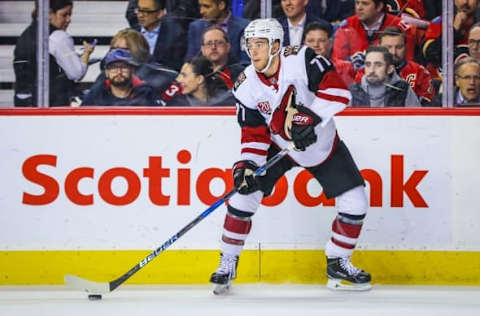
{"x": 244, "y": 300}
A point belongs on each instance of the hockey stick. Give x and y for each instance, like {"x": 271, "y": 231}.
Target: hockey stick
{"x": 78, "y": 283}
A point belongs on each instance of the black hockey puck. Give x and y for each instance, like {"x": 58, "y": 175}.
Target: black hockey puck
{"x": 94, "y": 297}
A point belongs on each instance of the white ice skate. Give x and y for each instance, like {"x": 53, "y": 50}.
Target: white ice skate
{"x": 225, "y": 273}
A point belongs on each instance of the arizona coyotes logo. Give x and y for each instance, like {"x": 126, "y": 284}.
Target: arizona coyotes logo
{"x": 265, "y": 107}
{"x": 411, "y": 78}
{"x": 281, "y": 123}
{"x": 291, "y": 50}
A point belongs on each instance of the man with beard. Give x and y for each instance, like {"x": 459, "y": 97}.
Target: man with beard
{"x": 415, "y": 74}
{"x": 121, "y": 87}
{"x": 381, "y": 86}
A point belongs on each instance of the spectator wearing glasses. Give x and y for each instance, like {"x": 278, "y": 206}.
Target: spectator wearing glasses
{"x": 474, "y": 41}
{"x": 467, "y": 82}
{"x": 121, "y": 87}
{"x": 165, "y": 36}
{"x": 148, "y": 70}
{"x": 217, "y": 12}
{"x": 217, "y": 49}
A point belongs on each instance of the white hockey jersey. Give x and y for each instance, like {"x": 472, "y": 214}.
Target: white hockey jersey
{"x": 318, "y": 87}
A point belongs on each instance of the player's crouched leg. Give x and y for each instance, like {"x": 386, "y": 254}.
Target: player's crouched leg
{"x": 346, "y": 228}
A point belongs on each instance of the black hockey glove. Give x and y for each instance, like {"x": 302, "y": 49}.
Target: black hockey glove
{"x": 358, "y": 60}
{"x": 303, "y": 127}
{"x": 243, "y": 177}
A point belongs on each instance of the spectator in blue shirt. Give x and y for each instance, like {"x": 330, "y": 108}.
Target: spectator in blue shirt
{"x": 166, "y": 36}
{"x": 217, "y": 12}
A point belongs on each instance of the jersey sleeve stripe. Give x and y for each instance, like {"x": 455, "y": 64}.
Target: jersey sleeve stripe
{"x": 333, "y": 98}
{"x": 254, "y": 151}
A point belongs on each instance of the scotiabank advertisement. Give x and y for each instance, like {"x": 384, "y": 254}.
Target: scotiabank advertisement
{"x": 131, "y": 181}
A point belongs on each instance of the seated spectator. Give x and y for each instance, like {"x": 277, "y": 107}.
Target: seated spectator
{"x": 415, "y": 74}
{"x": 474, "y": 41}
{"x": 66, "y": 67}
{"x": 200, "y": 86}
{"x": 294, "y": 21}
{"x": 467, "y": 82}
{"x": 251, "y": 9}
{"x": 217, "y": 12}
{"x": 361, "y": 30}
{"x": 381, "y": 86}
{"x": 156, "y": 75}
{"x": 462, "y": 22}
{"x": 318, "y": 37}
{"x": 165, "y": 36}
{"x": 184, "y": 11}
{"x": 333, "y": 11}
{"x": 217, "y": 49}
{"x": 121, "y": 87}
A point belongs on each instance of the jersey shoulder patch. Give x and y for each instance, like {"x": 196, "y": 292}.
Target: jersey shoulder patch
{"x": 291, "y": 50}
{"x": 240, "y": 79}
{"x": 437, "y": 20}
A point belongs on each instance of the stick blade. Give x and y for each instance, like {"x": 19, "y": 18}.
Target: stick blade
{"x": 77, "y": 283}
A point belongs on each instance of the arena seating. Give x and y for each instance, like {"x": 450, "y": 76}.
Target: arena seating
{"x": 90, "y": 20}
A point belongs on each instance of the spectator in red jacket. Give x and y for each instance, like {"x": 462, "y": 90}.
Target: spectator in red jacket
{"x": 362, "y": 30}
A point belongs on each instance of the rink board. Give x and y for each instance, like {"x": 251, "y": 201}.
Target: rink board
{"x": 90, "y": 191}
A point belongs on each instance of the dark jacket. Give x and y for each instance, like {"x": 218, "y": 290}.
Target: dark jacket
{"x": 25, "y": 67}
{"x": 141, "y": 95}
{"x": 171, "y": 44}
{"x": 235, "y": 28}
{"x": 224, "y": 98}
{"x": 398, "y": 93}
{"x": 337, "y": 10}
{"x": 310, "y": 18}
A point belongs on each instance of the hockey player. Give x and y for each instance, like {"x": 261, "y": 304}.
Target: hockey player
{"x": 291, "y": 95}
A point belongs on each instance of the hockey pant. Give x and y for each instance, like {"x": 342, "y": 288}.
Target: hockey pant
{"x": 340, "y": 179}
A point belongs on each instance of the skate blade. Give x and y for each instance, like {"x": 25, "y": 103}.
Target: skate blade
{"x": 343, "y": 285}
{"x": 221, "y": 289}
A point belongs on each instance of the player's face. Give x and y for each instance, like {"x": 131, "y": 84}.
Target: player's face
{"x": 376, "y": 69}
{"x": 62, "y": 18}
{"x": 468, "y": 80}
{"x": 318, "y": 41}
{"x": 366, "y": 10}
{"x": 210, "y": 10}
{"x": 259, "y": 50}
{"x": 215, "y": 48}
{"x": 294, "y": 8}
{"x": 119, "y": 73}
{"x": 148, "y": 14}
{"x": 474, "y": 43}
{"x": 467, "y": 6}
{"x": 396, "y": 47}
{"x": 188, "y": 80}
